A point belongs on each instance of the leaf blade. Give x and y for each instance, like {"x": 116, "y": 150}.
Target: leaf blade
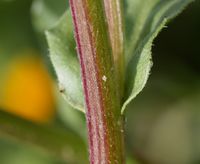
{"x": 64, "y": 59}
{"x": 139, "y": 63}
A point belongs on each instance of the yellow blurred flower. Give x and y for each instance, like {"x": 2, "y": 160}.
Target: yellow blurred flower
{"x": 27, "y": 89}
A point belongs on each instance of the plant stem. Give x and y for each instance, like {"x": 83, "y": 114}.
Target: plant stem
{"x": 113, "y": 10}
{"x": 104, "y": 120}
{"x": 57, "y": 142}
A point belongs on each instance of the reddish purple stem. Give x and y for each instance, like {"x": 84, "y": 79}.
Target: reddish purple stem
{"x": 98, "y": 77}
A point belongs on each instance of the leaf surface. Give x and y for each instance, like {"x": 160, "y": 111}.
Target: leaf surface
{"x": 145, "y": 19}
{"x": 63, "y": 56}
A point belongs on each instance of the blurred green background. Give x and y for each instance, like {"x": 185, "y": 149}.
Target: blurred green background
{"x": 163, "y": 122}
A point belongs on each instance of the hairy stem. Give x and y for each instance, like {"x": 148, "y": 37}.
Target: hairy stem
{"x": 104, "y": 120}
{"x": 113, "y": 10}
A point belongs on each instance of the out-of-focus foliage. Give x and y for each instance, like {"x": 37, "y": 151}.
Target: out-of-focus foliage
{"x": 45, "y": 13}
{"x": 163, "y": 123}
{"x": 27, "y": 89}
{"x": 21, "y": 154}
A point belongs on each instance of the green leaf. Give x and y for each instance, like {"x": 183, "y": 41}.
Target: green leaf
{"x": 145, "y": 19}
{"x": 63, "y": 56}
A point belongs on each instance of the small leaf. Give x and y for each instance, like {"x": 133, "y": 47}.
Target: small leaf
{"x": 63, "y": 56}
{"x": 145, "y": 19}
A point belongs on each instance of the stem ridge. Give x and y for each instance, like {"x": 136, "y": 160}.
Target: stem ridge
{"x": 98, "y": 78}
